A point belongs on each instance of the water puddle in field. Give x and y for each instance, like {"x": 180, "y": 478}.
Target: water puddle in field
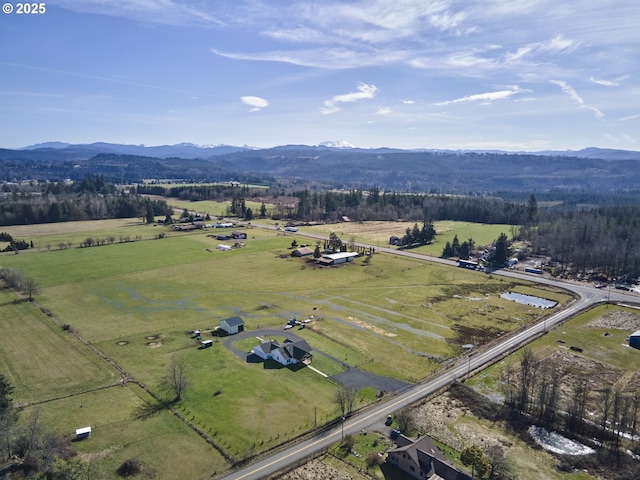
{"x": 529, "y": 300}
{"x": 556, "y": 443}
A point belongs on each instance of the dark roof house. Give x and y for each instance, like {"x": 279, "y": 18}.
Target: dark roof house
{"x": 421, "y": 459}
{"x": 290, "y": 352}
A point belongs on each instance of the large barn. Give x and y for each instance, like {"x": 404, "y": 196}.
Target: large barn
{"x": 337, "y": 258}
{"x": 634, "y": 340}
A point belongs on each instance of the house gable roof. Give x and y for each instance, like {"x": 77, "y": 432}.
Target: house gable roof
{"x": 298, "y": 349}
{"x": 233, "y": 321}
{"x": 431, "y": 460}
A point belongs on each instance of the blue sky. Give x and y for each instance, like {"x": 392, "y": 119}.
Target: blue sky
{"x": 463, "y": 74}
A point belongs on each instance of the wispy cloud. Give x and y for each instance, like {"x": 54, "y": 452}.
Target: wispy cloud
{"x": 383, "y": 111}
{"x": 168, "y": 12}
{"x": 605, "y": 83}
{"x": 364, "y": 92}
{"x": 630, "y": 117}
{"x": 256, "y": 103}
{"x": 568, "y": 89}
{"x": 484, "y": 97}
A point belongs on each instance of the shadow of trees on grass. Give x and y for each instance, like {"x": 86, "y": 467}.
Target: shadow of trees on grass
{"x": 150, "y": 408}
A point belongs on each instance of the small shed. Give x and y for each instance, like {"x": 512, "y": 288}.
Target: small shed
{"x": 206, "y": 343}
{"x": 239, "y": 235}
{"x": 397, "y": 241}
{"x": 232, "y": 325}
{"x": 634, "y": 340}
{"x": 82, "y": 433}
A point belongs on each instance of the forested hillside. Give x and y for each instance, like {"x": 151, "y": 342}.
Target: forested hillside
{"x": 390, "y": 170}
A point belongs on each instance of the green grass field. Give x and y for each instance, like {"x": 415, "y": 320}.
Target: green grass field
{"x": 40, "y": 359}
{"x": 378, "y": 233}
{"x": 137, "y": 301}
{"x": 166, "y": 446}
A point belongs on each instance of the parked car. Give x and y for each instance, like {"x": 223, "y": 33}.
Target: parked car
{"x": 388, "y": 421}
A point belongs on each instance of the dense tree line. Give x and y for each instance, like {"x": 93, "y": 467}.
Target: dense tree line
{"x": 375, "y": 205}
{"x": 416, "y": 236}
{"x": 604, "y": 240}
{"x": 217, "y": 192}
{"x": 90, "y": 199}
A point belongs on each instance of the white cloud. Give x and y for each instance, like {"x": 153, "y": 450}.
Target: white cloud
{"x": 383, "y": 111}
{"x": 484, "y": 97}
{"x": 409, "y": 102}
{"x": 168, "y": 12}
{"x": 256, "y": 102}
{"x": 606, "y": 83}
{"x": 568, "y": 89}
{"x": 630, "y": 117}
{"x": 364, "y": 92}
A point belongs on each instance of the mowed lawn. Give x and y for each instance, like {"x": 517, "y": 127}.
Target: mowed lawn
{"x": 138, "y": 301}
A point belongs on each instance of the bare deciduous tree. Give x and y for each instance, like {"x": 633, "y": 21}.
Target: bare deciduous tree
{"x": 405, "y": 421}
{"x": 345, "y": 398}
{"x": 176, "y": 380}
{"x": 30, "y": 287}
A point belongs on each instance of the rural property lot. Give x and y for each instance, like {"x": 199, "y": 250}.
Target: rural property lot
{"x": 136, "y": 303}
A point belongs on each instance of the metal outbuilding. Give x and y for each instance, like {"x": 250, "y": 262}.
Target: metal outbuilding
{"x": 232, "y": 325}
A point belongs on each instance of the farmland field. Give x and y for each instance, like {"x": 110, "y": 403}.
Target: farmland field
{"x": 137, "y": 302}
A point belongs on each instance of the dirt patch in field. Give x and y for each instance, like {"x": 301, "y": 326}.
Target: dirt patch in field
{"x": 154, "y": 344}
{"x": 373, "y": 328}
{"x": 123, "y": 343}
{"x": 91, "y": 457}
{"x": 617, "y": 320}
{"x": 152, "y": 337}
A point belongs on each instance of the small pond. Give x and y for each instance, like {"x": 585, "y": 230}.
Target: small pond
{"x": 529, "y": 300}
{"x": 556, "y": 443}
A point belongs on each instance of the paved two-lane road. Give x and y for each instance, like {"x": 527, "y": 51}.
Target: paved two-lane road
{"x": 586, "y": 297}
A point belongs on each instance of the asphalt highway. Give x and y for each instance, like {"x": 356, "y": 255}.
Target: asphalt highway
{"x": 586, "y": 296}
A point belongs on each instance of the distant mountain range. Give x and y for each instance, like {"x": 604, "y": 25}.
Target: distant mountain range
{"x": 191, "y": 150}
{"x": 181, "y": 150}
{"x": 333, "y": 165}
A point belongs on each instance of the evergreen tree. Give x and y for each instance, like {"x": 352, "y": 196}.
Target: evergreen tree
{"x": 447, "y": 251}
{"x": 532, "y": 211}
{"x": 455, "y": 245}
{"x": 501, "y": 252}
